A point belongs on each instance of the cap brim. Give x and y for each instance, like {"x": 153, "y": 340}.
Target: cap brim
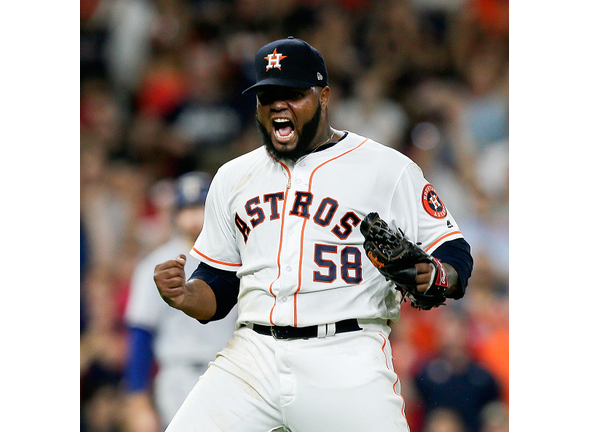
{"x": 279, "y": 82}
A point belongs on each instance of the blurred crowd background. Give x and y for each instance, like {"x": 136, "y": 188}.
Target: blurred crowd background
{"x": 160, "y": 87}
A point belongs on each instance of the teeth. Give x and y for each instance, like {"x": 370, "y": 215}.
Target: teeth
{"x": 281, "y": 120}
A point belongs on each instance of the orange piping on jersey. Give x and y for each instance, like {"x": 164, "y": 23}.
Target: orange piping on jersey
{"x": 300, "y": 268}
{"x": 305, "y": 224}
{"x": 440, "y": 239}
{"x": 280, "y": 242}
{"x": 403, "y": 399}
{"x": 214, "y": 260}
{"x": 384, "y": 344}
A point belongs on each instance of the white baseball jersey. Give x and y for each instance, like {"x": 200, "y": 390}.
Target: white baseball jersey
{"x": 291, "y": 230}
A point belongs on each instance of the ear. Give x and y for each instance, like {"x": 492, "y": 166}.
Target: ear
{"x": 324, "y": 96}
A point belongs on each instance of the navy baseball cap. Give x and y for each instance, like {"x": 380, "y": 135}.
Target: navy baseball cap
{"x": 192, "y": 189}
{"x": 291, "y": 63}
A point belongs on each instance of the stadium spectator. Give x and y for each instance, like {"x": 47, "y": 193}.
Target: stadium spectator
{"x": 160, "y": 338}
{"x": 453, "y": 379}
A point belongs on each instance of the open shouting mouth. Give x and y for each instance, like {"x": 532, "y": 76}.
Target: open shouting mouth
{"x": 283, "y": 129}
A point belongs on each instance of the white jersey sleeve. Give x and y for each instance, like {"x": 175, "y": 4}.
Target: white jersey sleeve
{"x": 420, "y": 212}
{"x": 216, "y": 244}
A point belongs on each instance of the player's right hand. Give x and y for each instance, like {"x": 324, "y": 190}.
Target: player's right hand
{"x": 170, "y": 279}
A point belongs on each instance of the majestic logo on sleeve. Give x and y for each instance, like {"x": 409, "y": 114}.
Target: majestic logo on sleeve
{"x": 432, "y": 203}
{"x": 274, "y": 60}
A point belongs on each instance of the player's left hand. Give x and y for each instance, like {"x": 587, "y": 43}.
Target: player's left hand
{"x": 424, "y": 276}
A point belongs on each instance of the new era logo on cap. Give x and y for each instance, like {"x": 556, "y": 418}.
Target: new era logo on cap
{"x": 291, "y": 63}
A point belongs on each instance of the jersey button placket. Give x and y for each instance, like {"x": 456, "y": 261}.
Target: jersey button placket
{"x": 283, "y": 314}
{"x": 301, "y": 179}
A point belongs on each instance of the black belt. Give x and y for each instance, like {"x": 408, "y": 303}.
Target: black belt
{"x": 288, "y": 332}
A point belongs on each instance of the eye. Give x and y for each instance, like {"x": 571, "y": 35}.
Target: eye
{"x": 264, "y": 98}
{"x": 295, "y": 94}
{"x": 269, "y": 96}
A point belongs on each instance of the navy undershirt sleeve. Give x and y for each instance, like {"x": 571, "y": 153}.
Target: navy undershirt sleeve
{"x": 225, "y": 286}
{"x": 457, "y": 254}
{"x": 139, "y": 360}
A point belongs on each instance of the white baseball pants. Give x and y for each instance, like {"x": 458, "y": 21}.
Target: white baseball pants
{"x": 339, "y": 383}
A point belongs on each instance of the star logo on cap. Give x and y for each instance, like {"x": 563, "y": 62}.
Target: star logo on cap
{"x": 274, "y": 60}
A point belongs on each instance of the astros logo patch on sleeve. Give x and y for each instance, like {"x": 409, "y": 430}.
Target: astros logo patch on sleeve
{"x": 432, "y": 203}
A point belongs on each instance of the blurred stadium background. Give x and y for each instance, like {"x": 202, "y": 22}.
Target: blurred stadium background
{"x": 160, "y": 95}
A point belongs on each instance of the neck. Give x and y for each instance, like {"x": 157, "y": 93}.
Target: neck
{"x": 327, "y": 137}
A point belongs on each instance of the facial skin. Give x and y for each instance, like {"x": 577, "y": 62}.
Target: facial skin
{"x": 190, "y": 221}
{"x": 293, "y": 121}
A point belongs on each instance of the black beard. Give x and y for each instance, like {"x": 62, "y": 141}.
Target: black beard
{"x": 308, "y": 133}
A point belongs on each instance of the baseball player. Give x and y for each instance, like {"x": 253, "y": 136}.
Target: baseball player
{"x": 286, "y": 234}
{"x": 180, "y": 346}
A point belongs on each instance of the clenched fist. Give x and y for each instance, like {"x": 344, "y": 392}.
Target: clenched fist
{"x": 170, "y": 279}
{"x": 195, "y": 298}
